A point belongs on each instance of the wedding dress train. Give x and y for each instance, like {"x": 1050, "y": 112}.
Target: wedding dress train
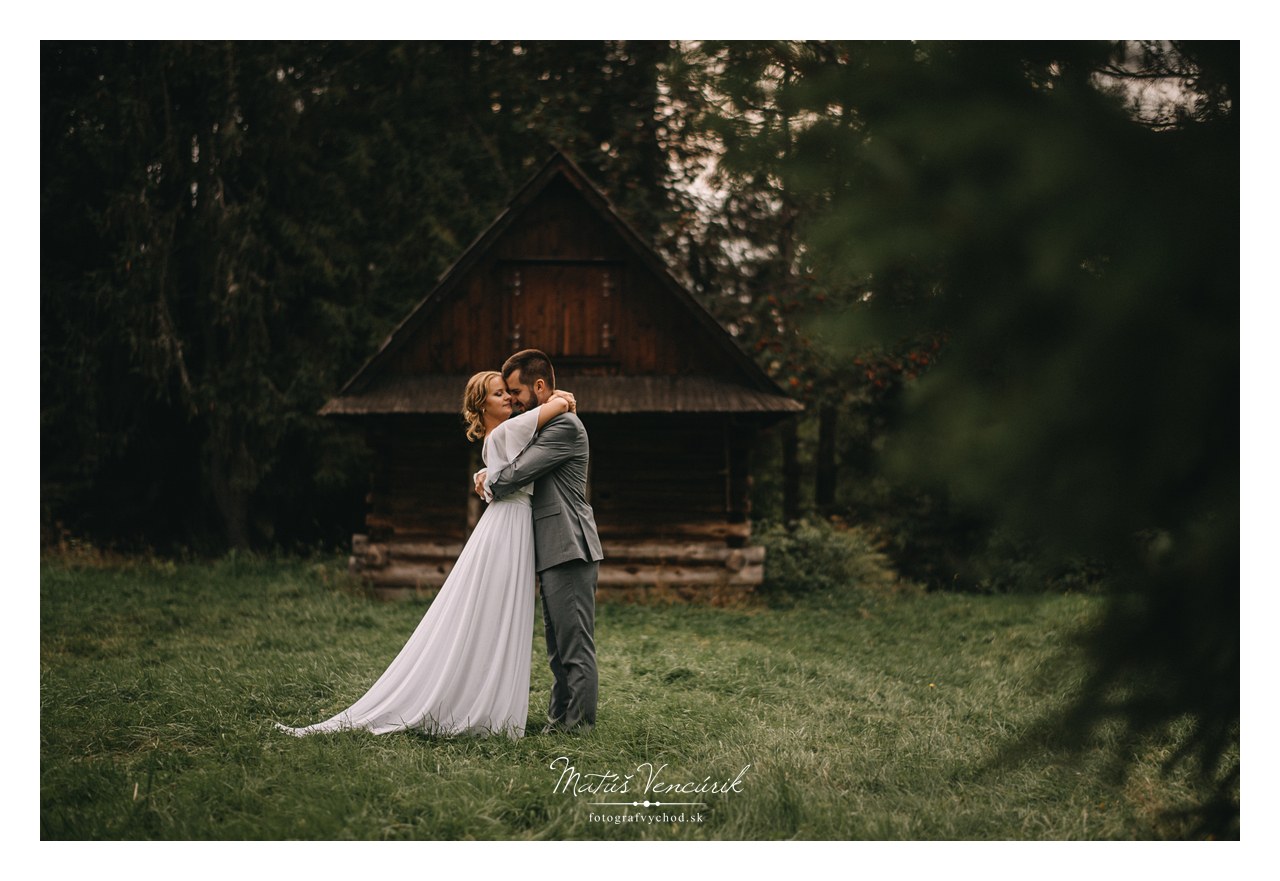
{"x": 465, "y": 669}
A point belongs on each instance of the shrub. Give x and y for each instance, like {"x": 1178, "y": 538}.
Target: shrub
{"x": 812, "y": 556}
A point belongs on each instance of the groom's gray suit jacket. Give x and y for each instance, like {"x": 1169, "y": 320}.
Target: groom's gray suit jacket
{"x": 564, "y": 527}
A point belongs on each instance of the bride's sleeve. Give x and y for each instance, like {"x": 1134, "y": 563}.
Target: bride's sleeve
{"x": 505, "y": 443}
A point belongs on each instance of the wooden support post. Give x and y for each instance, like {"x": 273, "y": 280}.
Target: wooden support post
{"x": 790, "y": 471}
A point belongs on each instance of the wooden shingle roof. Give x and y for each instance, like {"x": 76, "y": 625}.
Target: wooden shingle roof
{"x": 595, "y": 394}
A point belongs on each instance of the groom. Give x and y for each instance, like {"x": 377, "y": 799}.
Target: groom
{"x": 566, "y": 545}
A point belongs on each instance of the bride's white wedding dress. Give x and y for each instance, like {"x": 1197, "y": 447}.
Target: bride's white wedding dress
{"x": 465, "y": 669}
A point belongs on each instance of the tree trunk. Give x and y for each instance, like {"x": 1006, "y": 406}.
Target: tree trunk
{"x": 824, "y": 485}
{"x": 231, "y": 497}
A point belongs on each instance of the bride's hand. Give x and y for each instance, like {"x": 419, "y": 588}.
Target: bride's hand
{"x": 568, "y": 396}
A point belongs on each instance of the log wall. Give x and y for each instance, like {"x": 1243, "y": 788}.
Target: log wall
{"x": 670, "y": 494}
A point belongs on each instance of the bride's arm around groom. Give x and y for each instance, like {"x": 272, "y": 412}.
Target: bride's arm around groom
{"x": 557, "y": 444}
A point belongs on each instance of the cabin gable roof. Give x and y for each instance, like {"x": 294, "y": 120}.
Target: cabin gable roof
{"x": 381, "y": 385}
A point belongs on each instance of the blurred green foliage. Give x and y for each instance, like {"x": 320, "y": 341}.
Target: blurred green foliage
{"x": 1079, "y": 248}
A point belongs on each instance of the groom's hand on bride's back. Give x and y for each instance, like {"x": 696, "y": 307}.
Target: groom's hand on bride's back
{"x": 568, "y": 396}
{"x": 479, "y": 487}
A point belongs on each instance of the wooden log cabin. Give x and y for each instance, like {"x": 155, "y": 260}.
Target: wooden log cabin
{"x": 671, "y": 404}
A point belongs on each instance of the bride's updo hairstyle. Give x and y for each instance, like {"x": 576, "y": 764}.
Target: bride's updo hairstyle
{"x": 473, "y": 402}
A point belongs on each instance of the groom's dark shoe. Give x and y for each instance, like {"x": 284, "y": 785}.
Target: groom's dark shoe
{"x": 561, "y": 728}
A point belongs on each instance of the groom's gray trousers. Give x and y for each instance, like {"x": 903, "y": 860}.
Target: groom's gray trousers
{"x": 567, "y": 556}
{"x": 569, "y": 614}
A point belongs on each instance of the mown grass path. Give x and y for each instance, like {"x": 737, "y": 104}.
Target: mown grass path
{"x": 860, "y": 716}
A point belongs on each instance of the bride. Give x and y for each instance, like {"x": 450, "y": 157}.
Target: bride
{"x": 465, "y": 669}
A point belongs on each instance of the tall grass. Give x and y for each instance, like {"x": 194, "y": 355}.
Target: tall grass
{"x": 861, "y": 715}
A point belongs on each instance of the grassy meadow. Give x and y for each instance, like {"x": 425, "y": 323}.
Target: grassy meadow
{"x": 862, "y": 714}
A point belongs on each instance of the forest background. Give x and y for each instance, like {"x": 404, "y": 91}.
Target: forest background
{"x": 1003, "y": 278}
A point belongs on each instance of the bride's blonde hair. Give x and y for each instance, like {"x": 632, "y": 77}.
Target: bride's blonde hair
{"x": 473, "y": 402}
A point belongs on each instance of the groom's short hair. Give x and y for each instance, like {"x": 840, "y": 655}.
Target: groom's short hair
{"x": 533, "y": 364}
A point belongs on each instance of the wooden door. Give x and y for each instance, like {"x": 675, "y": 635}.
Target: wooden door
{"x": 567, "y": 308}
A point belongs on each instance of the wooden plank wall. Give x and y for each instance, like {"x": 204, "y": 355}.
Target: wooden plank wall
{"x": 662, "y": 476}
{"x": 671, "y": 498}
{"x": 419, "y": 480}
{"x": 578, "y": 285}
